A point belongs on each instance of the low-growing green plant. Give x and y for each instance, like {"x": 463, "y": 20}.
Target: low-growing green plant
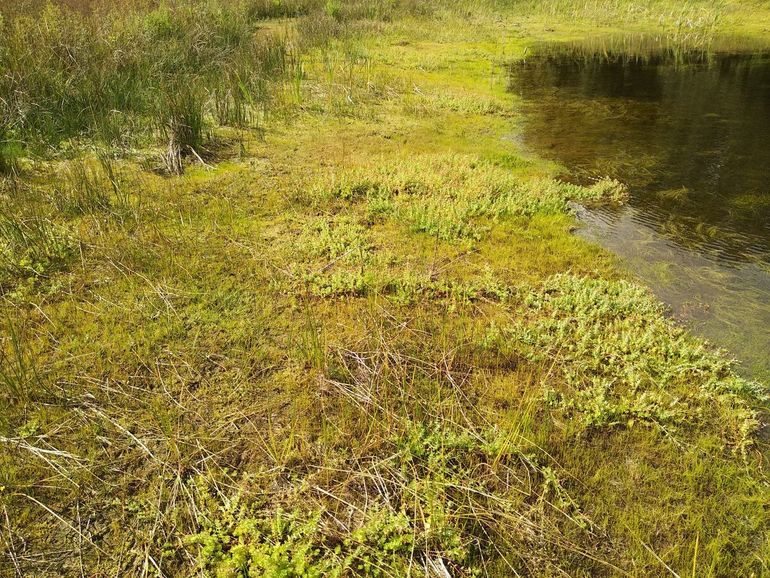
{"x": 341, "y": 284}
{"x": 413, "y": 517}
{"x": 335, "y": 240}
{"x": 622, "y": 362}
{"x": 292, "y": 545}
{"x": 454, "y": 197}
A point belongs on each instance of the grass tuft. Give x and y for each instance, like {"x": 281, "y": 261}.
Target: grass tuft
{"x": 32, "y": 247}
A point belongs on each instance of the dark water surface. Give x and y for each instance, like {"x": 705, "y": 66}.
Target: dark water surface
{"x": 690, "y": 134}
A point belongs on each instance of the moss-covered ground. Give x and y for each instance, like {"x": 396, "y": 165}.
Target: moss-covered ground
{"x": 361, "y": 339}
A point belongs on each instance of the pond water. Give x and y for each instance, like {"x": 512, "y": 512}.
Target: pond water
{"x": 689, "y": 132}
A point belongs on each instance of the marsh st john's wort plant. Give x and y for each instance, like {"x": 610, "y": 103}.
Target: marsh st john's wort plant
{"x": 621, "y": 361}
{"x": 456, "y": 198}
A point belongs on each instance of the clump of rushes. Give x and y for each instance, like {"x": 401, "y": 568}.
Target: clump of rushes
{"x": 115, "y": 76}
{"x": 80, "y": 190}
{"x": 10, "y": 151}
{"x": 181, "y": 111}
{"x": 90, "y": 185}
{"x": 31, "y": 247}
{"x": 263, "y": 9}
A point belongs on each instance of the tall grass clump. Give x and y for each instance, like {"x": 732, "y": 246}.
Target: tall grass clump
{"x": 140, "y": 76}
{"x": 80, "y": 191}
{"x": 264, "y": 9}
{"x": 157, "y": 74}
{"x": 10, "y": 152}
{"x": 243, "y": 91}
{"x": 31, "y": 247}
{"x": 181, "y": 109}
{"x": 10, "y": 149}
{"x": 90, "y": 186}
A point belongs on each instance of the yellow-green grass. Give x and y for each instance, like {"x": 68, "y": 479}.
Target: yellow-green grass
{"x": 361, "y": 340}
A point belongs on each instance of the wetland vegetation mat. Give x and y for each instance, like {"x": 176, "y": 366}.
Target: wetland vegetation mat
{"x": 284, "y": 293}
{"x": 685, "y": 131}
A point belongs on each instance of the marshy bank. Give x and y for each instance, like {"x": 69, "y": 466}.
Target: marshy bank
{"x": 686, "y": 129}
{"x": 281, "y": 296}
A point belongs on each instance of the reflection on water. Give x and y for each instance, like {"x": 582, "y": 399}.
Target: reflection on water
{"x": 690, "y": 134}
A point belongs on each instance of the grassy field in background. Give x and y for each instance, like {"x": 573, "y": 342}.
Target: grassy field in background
{"x": 281, "y": 295}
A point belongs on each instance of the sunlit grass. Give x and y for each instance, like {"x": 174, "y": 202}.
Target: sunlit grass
{"x": 280, "y": 294}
